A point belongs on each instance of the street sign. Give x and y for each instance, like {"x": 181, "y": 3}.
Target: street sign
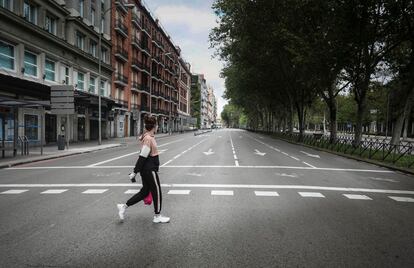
{"x": 62, "y": 99}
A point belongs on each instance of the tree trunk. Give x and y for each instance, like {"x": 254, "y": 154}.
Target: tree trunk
{"x": 332, "y": 120}
{"x": 360, "y": 117}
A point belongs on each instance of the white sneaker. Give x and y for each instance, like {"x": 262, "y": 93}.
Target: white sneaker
{"x": 160, "y": 219}
{"x": 121, "y": 211}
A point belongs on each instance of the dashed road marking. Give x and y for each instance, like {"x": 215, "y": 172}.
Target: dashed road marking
{"x": 95, "y": 191}
{"x": 357, "y": 196}
{"x": 308, "y": 164}
{"x": 402, "y": 199}
{"x": 219, "y": 192}
{"x": 179, "y": 192}
{"x": 131, "y": 191}
{"x": 266, "y": 193}
{"x": 14, "y": 191}
{"x": 311, "y": 194}
{"x": 54, "y": 191}
{"x": 236, "y": 160}
{"x": 297, "y": 159}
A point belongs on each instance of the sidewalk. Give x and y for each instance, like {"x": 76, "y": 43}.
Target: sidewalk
{"x": 51, "y": 151}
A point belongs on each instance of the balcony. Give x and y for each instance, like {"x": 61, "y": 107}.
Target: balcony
{"x": 140, "y": 88}
{"x": 138, "y": 65}
{"x": 144, "y": 47}
{"x": 121, "y": 28}
{"x": 122, "y": 103}
{"x": 137, "y": 21}
{"x": 145, "y": 29}
{"x": 145, "y": 108}
{"x": 157, "y": 77}
{"x": 135, "y": 106}
{"x": 120, "y": 4}
{"x": 120, "y": 79}
{"x": 136, "y": 42}
{"x": 121, "y": 53}
{"x": 175, "y": 100}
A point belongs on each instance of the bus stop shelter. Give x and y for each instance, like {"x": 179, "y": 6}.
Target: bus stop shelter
{"x": 9, "y": 110}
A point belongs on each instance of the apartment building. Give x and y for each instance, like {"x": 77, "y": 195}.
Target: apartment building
{"x": 45, "y": 43}
{"x": 185, "y": 121}
{"x": 199, "y": 100}
{"x": 146, "y": 70}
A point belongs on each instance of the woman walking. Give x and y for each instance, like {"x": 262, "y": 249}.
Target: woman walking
{"x": 147, "y": 166}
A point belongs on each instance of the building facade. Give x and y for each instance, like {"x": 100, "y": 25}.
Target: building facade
{"x": 45, "y": 43}
{"x": 185, "y": 121}
{"x": 147, "y": 71}
{"x": 201, "y": 107}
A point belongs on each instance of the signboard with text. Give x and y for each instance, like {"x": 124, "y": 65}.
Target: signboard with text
{"x": 62, "y": 99}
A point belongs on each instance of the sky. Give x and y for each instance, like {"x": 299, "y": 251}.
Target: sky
{"x": 189, "y": 22}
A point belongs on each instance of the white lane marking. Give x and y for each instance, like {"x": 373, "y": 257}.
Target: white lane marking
{"x": 162, "y": 151}
{"x": 131, "y": 191}
{"x": 311, "y": 155}
{"x": 194, "y": 174}
{"x": 180, "y": 154}
{"x": 297, "y": 159}
{"x": 236, "y": 160}
{"x": 357, "y": 196}
{"x": 402, "y": 199}
{"x": 382, "y": 179}
{"x": 207, "y": 166}
{"x": 311, "y": 194}
{"x": 287, "y": 175}
{"x": 209, "y": 152}
{"x": 14, "y": 191}
{"x": 54, "y": 191}
{"x": 112, "y": 159}
{"x": 308, "y": 164}
{"x": 285, "y": 153}
{"x": 218, "y": 192}
{"x": 95, "y": 191}
{"x": 179, "y": 192}
{"x": 258, "y": 152}
{"x": 241, "y": 186}
{"x": 266, "y": 193}
{"x": 126, "y": 155}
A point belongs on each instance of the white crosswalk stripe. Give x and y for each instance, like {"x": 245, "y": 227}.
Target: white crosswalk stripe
{"x": 54, "y": 191}
{"x": 14, "y": 191}
{"x": 266, "y": 193}
{"x": 179, "y": 191}
{"x": 357, "y": 196}
{"x": 218, "y": 192}
{"x": 311, "y": 194}
{"x": 402, "y": 199}
{"x": 131, "y": 191}
{"x": 95, "y": 191}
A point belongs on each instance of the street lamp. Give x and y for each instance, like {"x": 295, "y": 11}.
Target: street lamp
{"x": 130, "y": 6}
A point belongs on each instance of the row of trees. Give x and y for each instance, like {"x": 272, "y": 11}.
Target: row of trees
{"x": 283, "y": 55}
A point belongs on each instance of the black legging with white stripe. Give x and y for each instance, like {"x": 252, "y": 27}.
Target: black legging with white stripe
{"x": 150, "y": 183}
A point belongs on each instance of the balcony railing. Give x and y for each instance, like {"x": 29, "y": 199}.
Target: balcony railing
{"x": 146, "y": 29}
{"x": 120, "y": 4}
{"x": 136, "y": 20}
{"x": 121, "y": 53}
{"x": 121, "y": 28}
{"x": 123, "y": 103}
{"x": 121, "y": 79}
{"x": 136, "y": 42}
{"x": 135, "y": 106}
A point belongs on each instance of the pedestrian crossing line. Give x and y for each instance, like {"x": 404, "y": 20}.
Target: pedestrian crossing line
{"x": 266, "y": 193}
{"x": 311, "y": 194}
{"x": 402, "y": 199}
{"x": 14, "y": 191}
{"x": 357, "y": 196}
{"x": 221, "y": 192}
{"x": 182, "y": 192}
{"x": 95, "y": 191}
{"x": 54, "y": 191}
{"x": 131, "y": 191}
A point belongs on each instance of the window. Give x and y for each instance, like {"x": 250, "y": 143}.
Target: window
{"x": 102, "y": 88}
{"x": 102, "y": 24}
{"x": 30, "y": 12}
{"x": 81, "y": 7}
{"x": 6, "y": 56}
{"x": 6, "y": 4}
{"x": 92, "y": 48}
{"x": 81, "y": 81}
{"x": 66, "y": 76}
{"x": 50, "y": 70}
{"x": 93, "y": 16}
{"x": 50, "y": 24}
{"x": 80, "y": 40}
{"x": 31, "y": 126}
{"x": 30, "y": 63}
{"x": 104, "y": 51}
{"x": 92, "y": 85}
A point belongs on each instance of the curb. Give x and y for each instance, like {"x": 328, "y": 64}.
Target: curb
{"x": 26, "y": 161}
{"x": 403, "y": 170}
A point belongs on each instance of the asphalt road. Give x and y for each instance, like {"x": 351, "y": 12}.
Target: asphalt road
{"x": 245, "y": 200}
